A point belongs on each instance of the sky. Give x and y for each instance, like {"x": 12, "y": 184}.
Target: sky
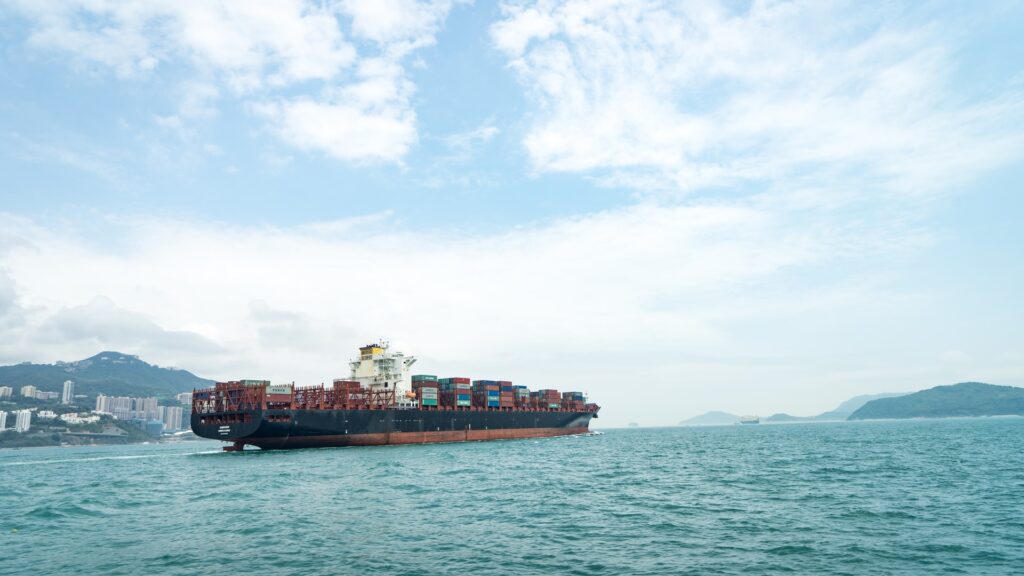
{"x": 675, "y": 207}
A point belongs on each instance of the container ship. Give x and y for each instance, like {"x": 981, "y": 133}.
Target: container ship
{"x": 381, "y": 403}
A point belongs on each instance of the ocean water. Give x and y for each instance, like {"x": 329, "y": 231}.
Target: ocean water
{"x": 915, "y": 497}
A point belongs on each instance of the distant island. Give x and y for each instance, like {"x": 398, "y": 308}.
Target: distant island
{"x": 713, "y": 418}
{"x": 841, "y": 412}
{"x": 964, "y": 399}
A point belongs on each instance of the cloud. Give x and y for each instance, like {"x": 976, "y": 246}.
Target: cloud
{"x": 400, "y": 25}
{"x": 11, "y": 313}
{"x": 290, "y": 60}
{"x": 570, "y": 303}
{"x": 366, "y": 121}
{"x": 251, "y": 44}
{"x": 72, "y": 152}
{"x": 682, "y": 97}
{"x": 102, "y": 324}
{"x": 463, "y": 143}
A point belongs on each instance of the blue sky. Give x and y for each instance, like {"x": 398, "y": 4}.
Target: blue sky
{"x": 756, "y": 207}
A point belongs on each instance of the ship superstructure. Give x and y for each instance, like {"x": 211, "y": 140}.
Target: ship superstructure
{"x": 381, "y": 403}
{"x": 379, "y": 369}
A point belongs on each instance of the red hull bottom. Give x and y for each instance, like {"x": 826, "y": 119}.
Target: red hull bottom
{"x": 285, "y": 442}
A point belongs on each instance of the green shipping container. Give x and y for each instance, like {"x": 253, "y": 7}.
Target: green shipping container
{"x": 424, "y": 378}
{"x": 429, "y": 402}
{"x": 463, "y": 403}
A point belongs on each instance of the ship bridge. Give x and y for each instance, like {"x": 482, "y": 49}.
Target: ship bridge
{"x": 378, "y": 369}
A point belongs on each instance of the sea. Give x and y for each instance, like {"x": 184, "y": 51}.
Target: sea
{"x": 859, "y": 498}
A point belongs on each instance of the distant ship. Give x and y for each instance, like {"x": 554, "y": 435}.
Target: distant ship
{"x": 749, "y": 420}
{"x": 381, "y": 403}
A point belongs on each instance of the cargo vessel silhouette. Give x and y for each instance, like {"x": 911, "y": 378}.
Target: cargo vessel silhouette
{"x": 380, "y": 403}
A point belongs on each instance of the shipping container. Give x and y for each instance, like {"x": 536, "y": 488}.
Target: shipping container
{"x": 424, "y": 378}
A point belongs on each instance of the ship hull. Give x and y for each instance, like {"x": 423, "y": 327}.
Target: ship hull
{"x": 284, "y": 429}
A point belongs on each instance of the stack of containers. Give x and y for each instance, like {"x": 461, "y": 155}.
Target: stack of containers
{"x": 573, "y": 400}
{"x": 547, "y": 399}
{"x": 347, "y": 392}
{"x": 425, "y": 387}
{"x": 522, "y": 395}
{"x": 486, "y": 393}
{"x": 506, "y": 394}
{"x": 456, "y": 392}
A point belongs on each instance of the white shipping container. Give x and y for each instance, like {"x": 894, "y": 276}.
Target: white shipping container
{"x": 279, "y": 389}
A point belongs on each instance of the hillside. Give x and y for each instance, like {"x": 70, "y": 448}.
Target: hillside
{"x": 713, "y": 418}
{"x": 964, "y": 399}
{"x": 111, "y": 373}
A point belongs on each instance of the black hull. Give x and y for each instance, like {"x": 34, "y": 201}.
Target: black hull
{"x": 277, "y": 429}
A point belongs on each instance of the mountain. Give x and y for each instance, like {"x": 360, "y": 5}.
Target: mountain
{"x": 964, "y": 399}
{"x": 842, "y": 412}
{"x": 713, "y": 418}
{"x": 110, "y": 373}
{"x": 783, "y": 417}
{"x": 854, "y": 404}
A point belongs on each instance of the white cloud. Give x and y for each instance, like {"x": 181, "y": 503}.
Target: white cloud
{"x": 400, "y": 25}
{"x": 288, "y": 58}
{"x": 100, "y": 323}
{"x": 689, "y": 96}
{"x": 464, "y": 142}
{"x": 364, "y": 121}
{"x": 631, "y": 304}
{"x": 72, "y": 152}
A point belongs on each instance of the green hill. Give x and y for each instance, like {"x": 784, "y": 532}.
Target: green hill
{"x": 713, "y": 418}
{"x": 964, "y": 399}
{"x": 110, "y": 373}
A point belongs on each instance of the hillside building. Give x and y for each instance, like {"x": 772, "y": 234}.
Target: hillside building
{"x": 22, "y": 421}
{"x": 69, "y": 392}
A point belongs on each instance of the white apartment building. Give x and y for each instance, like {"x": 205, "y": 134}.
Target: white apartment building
{"x": 6, "y": 392}
{"x": 23, "y": 420}
{"x": 171, "y": 417}
{"x": 79, "y": 418}
{"x": 69, "y": 392}
{"x": 29, "y": 391}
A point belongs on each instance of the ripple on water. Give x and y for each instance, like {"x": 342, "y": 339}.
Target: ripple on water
{"x": 856, "y": 498}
